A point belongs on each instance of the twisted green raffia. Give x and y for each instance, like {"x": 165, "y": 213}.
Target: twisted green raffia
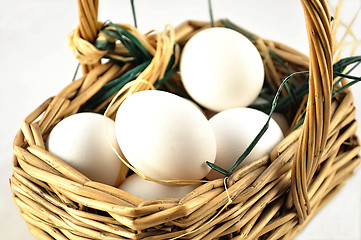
{"x": 135, "y": 48}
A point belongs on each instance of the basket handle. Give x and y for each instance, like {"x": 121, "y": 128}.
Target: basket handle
{"x": 314, "y": 134}
{"x": 88, "y": 24}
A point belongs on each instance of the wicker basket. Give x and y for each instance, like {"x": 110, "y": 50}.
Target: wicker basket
{"x": 272, "y": 198}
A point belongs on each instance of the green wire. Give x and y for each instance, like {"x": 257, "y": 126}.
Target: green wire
{"x": 210, "y": 12}
{"x": 76, "y": 72}
{"x": 134, "y": 15}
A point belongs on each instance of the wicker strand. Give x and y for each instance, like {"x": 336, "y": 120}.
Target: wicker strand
{"x": 88, "y": 25}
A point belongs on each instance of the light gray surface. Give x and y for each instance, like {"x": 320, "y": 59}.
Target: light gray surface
{"x": 36, "y": 63}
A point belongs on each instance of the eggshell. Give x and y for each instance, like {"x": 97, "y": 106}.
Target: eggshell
{"x": 235, "y": 129}
{"x": 153, "y": 190}
{"x": 165, "y": 136}
{"x": 221, "y": 69}
{"x": 81, "y": 141}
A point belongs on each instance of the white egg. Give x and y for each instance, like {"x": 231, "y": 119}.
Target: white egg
{"x": 221, "y": 69}
{"x": 165, "y": 136}
{"x": 153, "y": 190}
{"x": 81, "y": 141}
{"x": 235, "y": 129}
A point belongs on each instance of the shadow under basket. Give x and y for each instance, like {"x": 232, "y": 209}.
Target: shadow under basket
{"x": 271, "y": 198}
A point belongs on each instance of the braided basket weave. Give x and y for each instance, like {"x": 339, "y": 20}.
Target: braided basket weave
{"x": 271, "y": 198}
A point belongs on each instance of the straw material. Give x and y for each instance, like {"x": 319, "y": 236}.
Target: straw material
{"x": 271, "y": 198}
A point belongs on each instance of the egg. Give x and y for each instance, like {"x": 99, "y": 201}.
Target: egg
{"x": 165, "y": 136}
{"x": 148, "y": 190}
{"x": 221, "y": 69}
{"x": 235, "y": 129}
{"x": 81, "y": 141}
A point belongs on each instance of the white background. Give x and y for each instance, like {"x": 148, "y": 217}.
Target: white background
{"x": 36, "y": 63}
